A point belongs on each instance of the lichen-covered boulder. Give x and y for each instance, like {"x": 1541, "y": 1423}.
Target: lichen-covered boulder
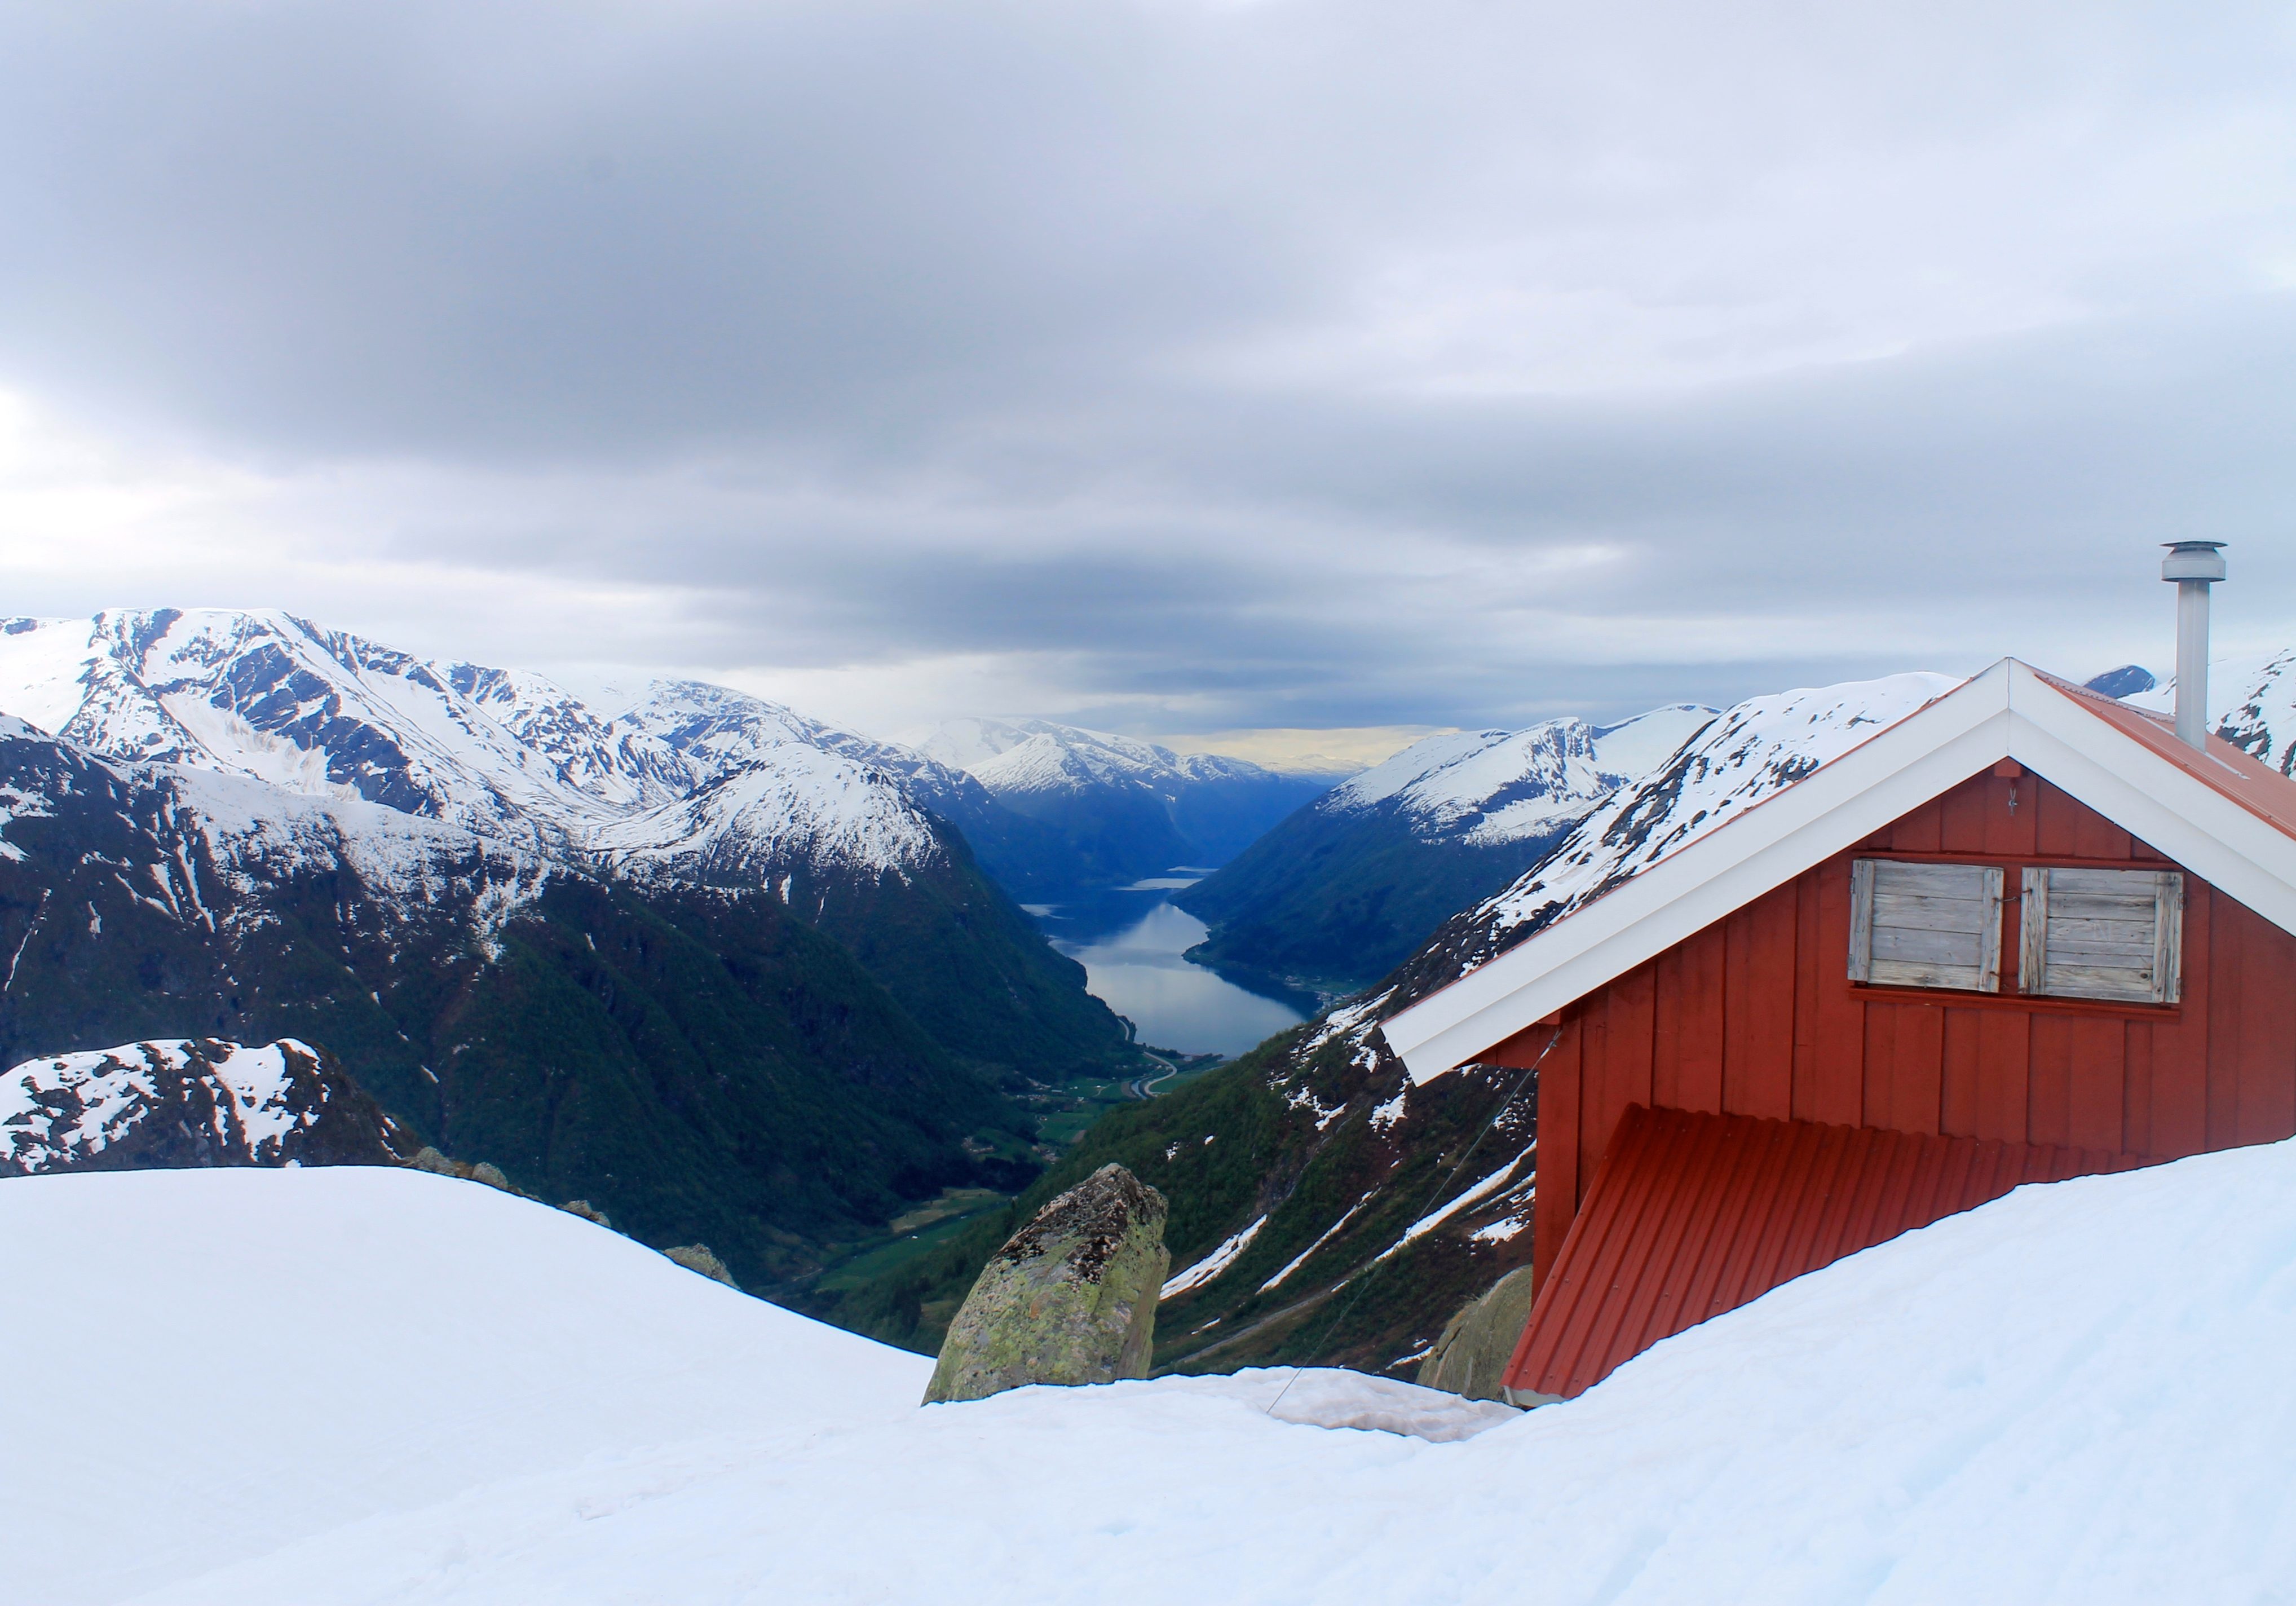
{"x": 1069, "y": 1298}
{"x": 1479, "y": 1339}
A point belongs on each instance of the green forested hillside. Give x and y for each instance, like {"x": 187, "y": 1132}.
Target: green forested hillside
{"x": 1286, "y": 1135}
{"x": 1330, "y": 900}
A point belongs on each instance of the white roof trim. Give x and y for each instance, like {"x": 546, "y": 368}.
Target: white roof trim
{"x": 2007, "y": 712}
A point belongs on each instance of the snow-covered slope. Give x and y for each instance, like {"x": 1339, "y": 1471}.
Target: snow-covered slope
{"x": 263, "y": 1356}
{"x": 1488, "y": 787}
{"x": 1751, "y": 752}
{"x": 1343, "y": 891}
{"x": 2077, "y": 1395}
{"x": 190, "y": 1103}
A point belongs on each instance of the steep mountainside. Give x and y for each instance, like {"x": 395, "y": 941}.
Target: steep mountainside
{"x": 1325, "y": 1208}
{"x": 1126, "y": 808}
{"x": 702, "y": 1063}
{"x": 192, "y": 1102}
{"x": 693, "y": 785}
{"x": 1340, "y": 893}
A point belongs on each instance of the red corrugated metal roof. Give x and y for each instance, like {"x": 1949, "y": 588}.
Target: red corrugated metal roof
{"x": 1693, "y": 1215}
{"x": 2259, "y": 788}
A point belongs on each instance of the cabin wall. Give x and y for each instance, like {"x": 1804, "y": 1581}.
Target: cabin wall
{"x": 1755, "y": 1015}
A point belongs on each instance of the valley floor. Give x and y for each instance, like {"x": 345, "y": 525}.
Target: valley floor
{"x": 373, "y": 1386}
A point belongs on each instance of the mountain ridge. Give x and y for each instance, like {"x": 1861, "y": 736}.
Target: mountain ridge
{"x": 1127, "y": 808}
{"x": 1344, "y": 890}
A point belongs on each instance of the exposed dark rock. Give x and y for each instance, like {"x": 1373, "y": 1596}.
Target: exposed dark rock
{"x": 587, "y": 1212}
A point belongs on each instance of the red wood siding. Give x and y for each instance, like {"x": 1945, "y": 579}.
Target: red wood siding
{"x": 1755, "y": 1016}
{"x": 1691, "y": 1215}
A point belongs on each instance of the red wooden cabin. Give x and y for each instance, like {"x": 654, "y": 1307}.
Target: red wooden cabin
{"x": 2024, "y": 934}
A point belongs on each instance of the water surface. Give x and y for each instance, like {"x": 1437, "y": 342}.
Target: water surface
{"x": 1130, "y": 944}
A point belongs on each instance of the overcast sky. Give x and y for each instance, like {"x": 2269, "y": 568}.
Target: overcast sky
{"x": 1175, "y": 366}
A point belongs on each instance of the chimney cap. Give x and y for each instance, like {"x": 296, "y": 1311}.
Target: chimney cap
{"x": 2201, "y": 561}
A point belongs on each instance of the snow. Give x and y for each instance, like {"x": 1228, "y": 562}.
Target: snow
{"x": 1212, "y": 1265}
{"x": 260, "y": 1356}
{"x": 1637, "y": 746}
{"x": 1323, "y": 1238}
{"x": 1040, "y": 757}
{"x": 314, "y": 1388}
{"x": 41, "y": 662}
{"x": 1475, "y": 1195}
{"x": 1492, "y": 787}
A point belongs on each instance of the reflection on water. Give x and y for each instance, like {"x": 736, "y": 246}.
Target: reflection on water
{"x": 1130, "y": 948}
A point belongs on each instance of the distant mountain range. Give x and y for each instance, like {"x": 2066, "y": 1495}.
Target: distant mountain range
{"x": 1125, "y": 809}
{"x": 1340, "y": 893}
{"x": 733, "y": 974}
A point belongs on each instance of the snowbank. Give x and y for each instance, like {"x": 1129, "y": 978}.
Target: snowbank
{"x": 202, "y": 1366}
{"x": 2079, "y": 1394}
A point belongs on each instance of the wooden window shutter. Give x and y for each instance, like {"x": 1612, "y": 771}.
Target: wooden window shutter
{"x": 2117, "y": 934}
{"x": 1925, "y": 925}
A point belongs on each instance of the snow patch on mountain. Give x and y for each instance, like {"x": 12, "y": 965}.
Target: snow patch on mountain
{"x": 64, "y": 1108}
{"x": 808, "y": 808}
{"x": 1637, "y": 746}
{"x": 186, "y": 1102}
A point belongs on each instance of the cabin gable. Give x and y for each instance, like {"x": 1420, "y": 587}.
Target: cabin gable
{"x": 1755, "y": 1015}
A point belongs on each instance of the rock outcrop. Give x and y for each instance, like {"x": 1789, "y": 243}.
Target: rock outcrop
{"x": 1069, "y": 1298}
{"x": 1479, "y": 1339}
{"x": 183, "y": 1102}
{"x": 698, "y": 1257}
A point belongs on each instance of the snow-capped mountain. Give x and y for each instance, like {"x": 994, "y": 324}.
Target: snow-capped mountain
{"x": 688, "y": 782}
{"x": 1128, "y": 808}
{"x": 1316, "y": 1163}
{"x": 191, "y": 1103}
{"x": 1336, "y": 896}
{"x": 1751, "y": 750}
{"x": 649, "y": 955}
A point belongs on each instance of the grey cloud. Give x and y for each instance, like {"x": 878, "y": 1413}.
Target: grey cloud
{"x": 1286, "y": 364}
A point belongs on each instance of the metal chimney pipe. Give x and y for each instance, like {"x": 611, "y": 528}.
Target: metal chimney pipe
{"x": 2194, "y": 566}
